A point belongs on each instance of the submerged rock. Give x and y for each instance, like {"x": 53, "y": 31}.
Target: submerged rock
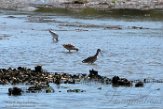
{"x": 49, "y": 89}
{"x": 76, "y": 90}
{"x": 116, "y": 81}
{"x": 139, "y": 84}
{"x": 15, "y": 91}
{"x": 40, "y": 88}
{"x": 34, "y": 89}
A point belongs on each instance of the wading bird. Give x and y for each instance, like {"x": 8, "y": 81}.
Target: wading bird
{"x": 54, "y": 35}
{"x": 92, "y": 59}
{"x": 70, "y": 47}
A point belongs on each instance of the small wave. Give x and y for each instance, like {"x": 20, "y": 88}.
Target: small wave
{"x": 154, "y": 63}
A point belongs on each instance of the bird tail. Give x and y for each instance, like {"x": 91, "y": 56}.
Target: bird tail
{"x": 57, "y": 39}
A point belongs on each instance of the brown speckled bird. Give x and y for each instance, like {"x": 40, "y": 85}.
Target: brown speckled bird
{"x": 92, "y": 59}
{"x": 70, "y": 47}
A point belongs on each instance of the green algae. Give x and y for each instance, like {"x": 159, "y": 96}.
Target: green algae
{"x": 116, "y": 13}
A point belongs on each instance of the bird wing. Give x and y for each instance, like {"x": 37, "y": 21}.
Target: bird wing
{"x": 53, "y": 34}
{"x": 88, "y": 60}
{"x": 71, "y": 46}
{"x": 68, "y": 46}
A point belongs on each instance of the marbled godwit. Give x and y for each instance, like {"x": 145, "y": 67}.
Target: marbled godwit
{"x": 70, "y": 47}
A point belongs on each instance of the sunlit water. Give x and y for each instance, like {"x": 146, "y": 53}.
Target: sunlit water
{"x": 131, "y": 53}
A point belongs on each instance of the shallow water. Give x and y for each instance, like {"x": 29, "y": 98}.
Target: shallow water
{"x": 131, "y": 53}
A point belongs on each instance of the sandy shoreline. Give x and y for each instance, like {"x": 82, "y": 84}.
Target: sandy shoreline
{"x": 31, "y": 5}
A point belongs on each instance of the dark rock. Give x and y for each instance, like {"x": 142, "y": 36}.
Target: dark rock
{"x": 38, "y": 68}
{"x": 69, "y": 81}
{"x": 14, "y": 70}
{"x": 34, "y": 89}
{"x": 124, "y": 82}
{"x": 3, "y": 82}
{"x": 4, "y": 70}
{"x": 107, "y": 81}
{"x": 115, "y": 80}
{"x": 76, "y": 90}
{"x": 20, "y": 68}
{"x": 42, "y": 87}
{"x": 84, "y": 75}
{"x": 139, "y": 84}
{"x": 135, "y": 27}
{"x": 78, "y": 2}
{"x": 49, "y": 89}
{"x": 57, "y": 80}
{"x": 75, "y": 76}
{"x": 11, "y": 17}
{"x": 15, "y": 91}
{"x": 158, "y": 89}
{"x": 113, "y": 27}
{"x": 93, "y": 73}
{"x": 146, "y": 80}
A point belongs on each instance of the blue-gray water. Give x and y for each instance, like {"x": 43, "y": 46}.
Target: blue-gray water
{"x": 131, "y": 53}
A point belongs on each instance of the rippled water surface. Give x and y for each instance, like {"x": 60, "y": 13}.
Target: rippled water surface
{"x": 127, "y": 52}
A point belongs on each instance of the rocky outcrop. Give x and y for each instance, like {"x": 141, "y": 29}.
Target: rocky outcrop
{"x": 22, "y": 75}
{"x": 39, "y": 80}
{"x": 31, "y": 5}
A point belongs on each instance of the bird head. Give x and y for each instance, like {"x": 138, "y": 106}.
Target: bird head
{"x": 98, "y": 50}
